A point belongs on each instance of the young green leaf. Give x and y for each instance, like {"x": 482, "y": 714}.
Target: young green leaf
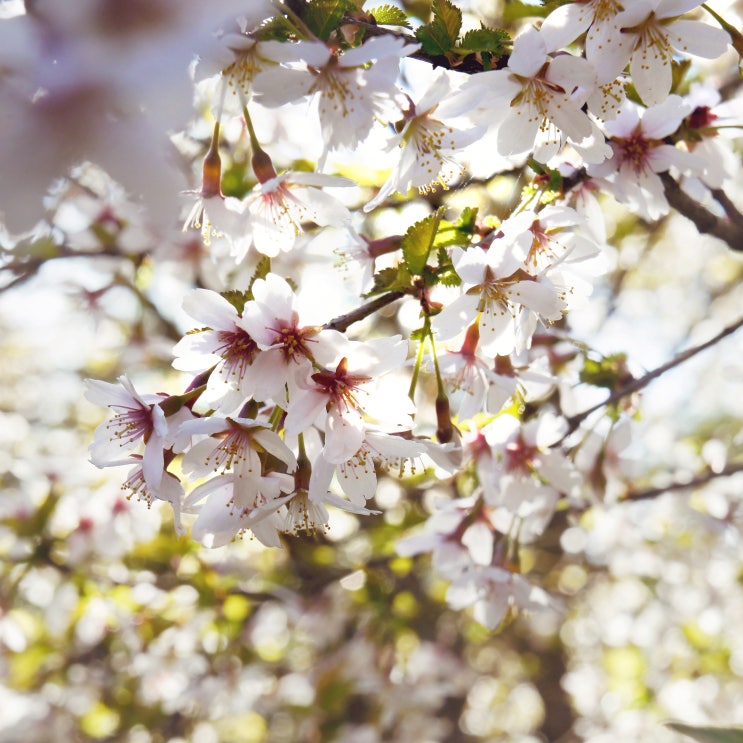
{"x": 417, "y": 242}
{"x": 394, "y": 278}
{"x": 389, "y": 15}
{"x": 323, "y": 16}
{"x": 484, "y": 40}
{"x": 440, "y": 36}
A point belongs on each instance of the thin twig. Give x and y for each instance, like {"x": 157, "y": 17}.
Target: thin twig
{"x": 701, "y": 479}
{"x": 637, "y": 384}
{"x": 728, "y": 230}
{"x": 343, "y": 322}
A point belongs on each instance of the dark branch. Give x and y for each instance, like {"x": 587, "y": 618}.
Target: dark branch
{"x": 695, "y": 482}
{"x": 641, "y": 382}
{"x": 343, "y": 322}
{"x": 728, "y": 230}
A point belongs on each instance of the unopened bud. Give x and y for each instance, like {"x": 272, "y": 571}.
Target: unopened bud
{"x": 444, "y": 426}
{"x": 211, "y": 174}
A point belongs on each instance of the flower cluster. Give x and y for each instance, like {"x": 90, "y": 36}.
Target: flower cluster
{"x": 285, "y": 415}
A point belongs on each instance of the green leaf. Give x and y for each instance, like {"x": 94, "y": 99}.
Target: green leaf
{"x": 440, "y": 36}
{"x": 609, "y": 371}
{"x": 389, "y": 15}
{"x": 709, "y": 734}
{"x": 459, "y": 232}
{"x": 394, "y": 278}
{"x": 484, "y": 40}
{"x": 514, "y": 10}
{"x": 323, "y": 16}
{"x": 417, "y": 242}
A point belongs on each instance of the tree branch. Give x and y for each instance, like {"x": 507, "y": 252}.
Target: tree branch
{"x": 343, "y": 322}
{"x": 701, "y": 479}
{"x": 728, "y": 230}
{"x": 637, "y": 384}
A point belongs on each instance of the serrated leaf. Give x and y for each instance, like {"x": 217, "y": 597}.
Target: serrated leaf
{"x": 389, "y": 15}
{"x": 394, "y": 278}
{"x": 323, "y": 16}
{"x": 417, "y": 242}
{"x": 449, "y": 15}
{"x": 468, "y": 219}
{"x": 440, "y": 36}
{"x": 484, "y": 40}
{"x": 709, "y": 734}
{"x": 459, "y": 232}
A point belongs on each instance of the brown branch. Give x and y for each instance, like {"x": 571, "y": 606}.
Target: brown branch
{"x": 637, "y": 384}
{"x": 343, "y": 322}
{"x": 701, "y": 479}
{"x": 728, "y": 230}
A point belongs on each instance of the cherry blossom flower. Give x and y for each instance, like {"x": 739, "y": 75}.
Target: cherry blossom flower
{"x": 169, "y": 490}
{"x": 507, "y": 300}
{"x": 224, "y": 342}
{"x": 286, "y": 347}
{"x": 650, "y": 32}
{"x": 137, "y": 420}
{"x": 467, "y": 372}
{"x": 339, "y": 398}
{"x": 434, "y": 130}
{"x": 526, "y": 473}
{"x": 228, "y": 506}
{"x": 640, "y": 153}
{"x": 492, "y": 591}
{"x": 708, "y": 130}
{"x": 353, "y": 87}
{"x": 238, "y": 448}
{"x": 357, "y": 475}
{"x": 279, "y": 206}
{"x": 541, "y": 96}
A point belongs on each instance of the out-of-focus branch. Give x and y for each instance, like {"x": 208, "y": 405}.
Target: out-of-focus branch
{"x": 701, "y": 479}
{"x": 637, "y": 384}
{"x": 343, "y": 322}
{"x": 728, "y": 230}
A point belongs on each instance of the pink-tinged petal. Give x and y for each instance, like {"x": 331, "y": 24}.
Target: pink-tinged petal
{"x": 260, "y": 324}
{"x": 693, "y": 37}
{"x": 314, "y": 53}
{"x": 564, "y": 25}
{"x": 322, "y": 474}
{"x": 304, "y": 410}
{"x": 571, "y": 72}
{"x": 651, "y": 74}
{"x": 106, "y": 394}
{"x": 307, "y": 178}
{"x": 518, "y": 131}
{"x": 153, "y": 463}
{"x": 671, "y": 8}
{"x": 455, "y": 317}
{"x": 325, "y": 209}
{"x": 279, "y": 85}
{"x": 571, "y": 120}
{"x": 376, "y": 48}
{"x": 333, "y": 500}
{"x": 608, "y": 50}
{"x": 211, "y": 309}
{"x": 491, "y": 610}
{"x": 497, "y": 330}
{"x": 358, "y": 478}
{"x": 666, "y": 156}
{"x": 664, "y": 119}
{"x": 344, "y": 434}
{"x": 539, "y": 296}
{"x": 478, "y": 539}
{"x": 529, "y": 53}
{"x": 274, "y": 445}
